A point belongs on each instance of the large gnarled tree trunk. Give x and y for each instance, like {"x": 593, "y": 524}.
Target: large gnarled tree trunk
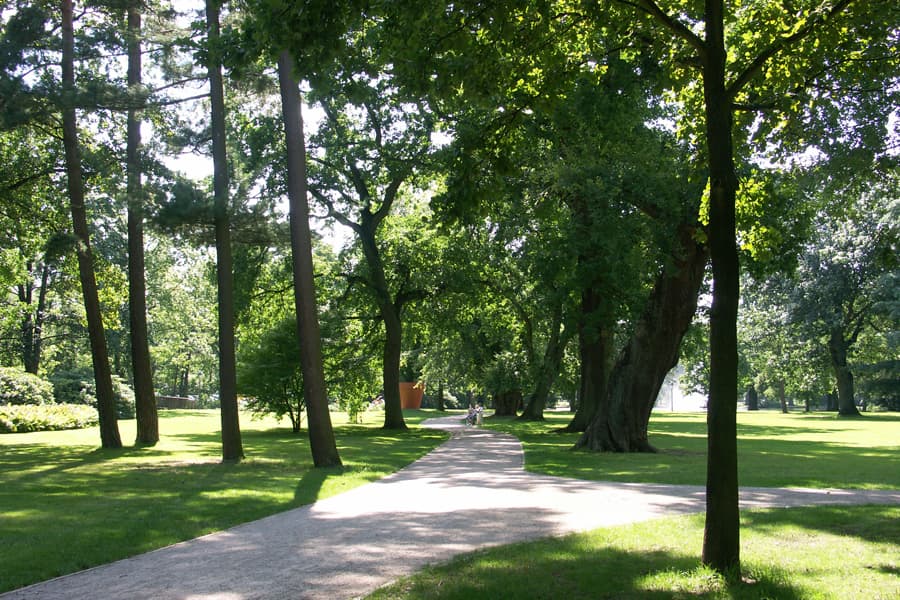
{"x": 321, "y": 433}
{"x": 623, "y": 413}
{"x": 106, "y": 408}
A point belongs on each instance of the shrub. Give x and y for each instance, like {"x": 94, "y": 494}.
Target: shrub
{"x": 77, "y": 387}
{"x": 48, "y": 417}
{"x": 18, "y": 388}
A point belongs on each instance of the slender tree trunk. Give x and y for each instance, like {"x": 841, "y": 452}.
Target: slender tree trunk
{"x": 782, "y": 398}
{"x": 321, "y": 434}
{"x": 721, "y": 539}
{"x": 232, "y": 447}
{"x": 620, "y": 422}
{"x": 837, "y": 350}
{"x": 106, "y": 407}
{"x": 393, "y": 326}
{"x": 144, "y": 396}
{"x": 440, "y": 397}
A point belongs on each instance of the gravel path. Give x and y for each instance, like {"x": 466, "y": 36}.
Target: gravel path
{"x": 469, "y": 493}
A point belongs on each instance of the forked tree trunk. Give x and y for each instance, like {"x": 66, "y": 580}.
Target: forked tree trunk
{"x": 548, "y": 369}
{"x": 232, "y": 446}
{"x": 321, "y": 433}
{"x": 144, "y": 397}
{"x": 106, "y": 407}
{"x": 621, "y": 419}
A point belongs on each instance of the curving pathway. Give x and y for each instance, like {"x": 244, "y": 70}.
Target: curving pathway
{"x": 469, "y": 493}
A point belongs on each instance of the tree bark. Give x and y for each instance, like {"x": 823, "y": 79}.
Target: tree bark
{"x": 721, "y": 539}
{"x": 547, "y": 369}
{"x": 837, "y": 350}
{"x": 440, "y": 397}
{"x": 595, "y": 348}
{"x": 232, "y": 447}
{"x": 321, "y": 433}
{"x": 106, "y": 408}
{"x": 507, "y": 402}
{"x": 33, "y": 321}
{"x": 620, "y": 422}
{"x": 782, "y": 398}
{"x": 144, "y": 397}
{"x": 389, "y": 310}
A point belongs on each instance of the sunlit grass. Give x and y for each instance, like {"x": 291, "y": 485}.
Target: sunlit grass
{"x": 815, "y": 553}
{"x": 68, "y": 504}
{"x": 775, "y": 450}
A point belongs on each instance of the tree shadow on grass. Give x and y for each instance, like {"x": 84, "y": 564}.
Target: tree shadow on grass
{"x": 569, "y": 567}
{"x": 871, "y": 523}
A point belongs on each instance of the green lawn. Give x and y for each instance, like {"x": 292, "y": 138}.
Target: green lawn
{"x": 832, "y": 553}
{"x": 68, "y": 505}
{"x": 775, "y": 450}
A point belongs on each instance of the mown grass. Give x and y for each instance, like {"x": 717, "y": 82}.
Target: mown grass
{"x": 68, "y": 505}
{"x": 775, "y": 450}
{"x": 812, "y": 553}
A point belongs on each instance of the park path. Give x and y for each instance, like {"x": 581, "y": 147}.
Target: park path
{"x": 469, "y": 493}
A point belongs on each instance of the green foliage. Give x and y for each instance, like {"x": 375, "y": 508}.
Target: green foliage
{"x": 52, "y": 417}
{"x": 19, "y": 388}
{"x": 77, "y": 387}
{"x": 269, "y": 374}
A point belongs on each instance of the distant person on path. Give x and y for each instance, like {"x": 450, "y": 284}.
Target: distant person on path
{"x": 479, "y": 414}
{"x": 470, "y": 417}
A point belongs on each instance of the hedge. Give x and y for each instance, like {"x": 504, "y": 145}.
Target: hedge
{"x": 18, "y": 388}
{"x": 48, "y": 417}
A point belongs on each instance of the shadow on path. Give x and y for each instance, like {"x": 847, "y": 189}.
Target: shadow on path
{"x": 444, "y": 504}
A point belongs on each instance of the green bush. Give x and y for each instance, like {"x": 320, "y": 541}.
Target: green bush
{"x": 77, "y": 387}
{"x": 48, "y": 417}
{"x": 19, "y": 388}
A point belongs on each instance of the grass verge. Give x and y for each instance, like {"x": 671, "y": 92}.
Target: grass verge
{"x": 812, "y": 553}
{"x": 69, "y": 505}
{"x": 774, "y": 450}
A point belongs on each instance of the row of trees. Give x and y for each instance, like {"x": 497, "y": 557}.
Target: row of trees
{"x": 532, "y": 192}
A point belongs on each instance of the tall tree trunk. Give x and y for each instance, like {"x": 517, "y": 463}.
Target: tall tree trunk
{"x": 393, "y": 325}
{"x": 232, "y": 447}
{"x": 106, "y": 406}
{"x": 144, "y": 396}
{"x": 321, "y": 433}
{"x": 620, "y": 423}
{"x": 837, "y": 350}
{"x": 721, "y": 539}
